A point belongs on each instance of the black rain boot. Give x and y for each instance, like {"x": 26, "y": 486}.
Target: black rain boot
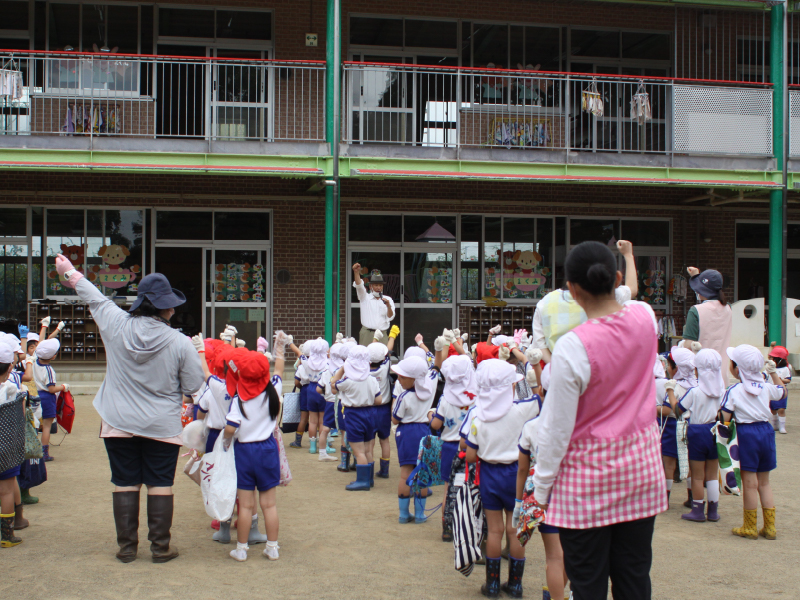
{"x": 159, "y": 522}
{"x": 126, "y": 518}
{"x": 491, "y": 589}
{"x": 688, "y": 503}
{"x": 513, "y": 587}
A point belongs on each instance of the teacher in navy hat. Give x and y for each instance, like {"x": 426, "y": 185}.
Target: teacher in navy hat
{"x": 150, "y": 367}
{"x": 710, "y": 321}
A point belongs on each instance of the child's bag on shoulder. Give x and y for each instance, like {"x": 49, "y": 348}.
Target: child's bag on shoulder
{"x": 218, "y": 481}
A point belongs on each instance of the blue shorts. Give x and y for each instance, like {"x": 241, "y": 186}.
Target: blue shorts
{"x": 407, "y": 438}
{"x": 10, "y": 474}
{"x": 257, "y": 465}
{"x": 702, "y": 445}
{"x": 449, "y": 451}
{"x": 383, "y": 421}
{"x": 545, "y": 528}
{"x": 498, "y": 485}
{"x": 778, "y": 404}
{"x": 340, "y": 417}
{"x": 669, "y": 438}
{"x": 48, "y": 404}
{"x": 304, "y": 398}
{"x": 329, "y": 420}
{"x": 359, "y": 423}
{"x": 315, "y": 402}
{"x": 756, "y": 447}
{"x": 213, "y": 434}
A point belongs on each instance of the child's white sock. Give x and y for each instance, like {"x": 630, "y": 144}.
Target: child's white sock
{"x": 271, "y": 551}
{"x": 782, "y": 424}
{"x": 669, "y": 484}
{"x": 254, "y": 518}
{"x": 240, "y": 554}
{"x": 712, "y": 490}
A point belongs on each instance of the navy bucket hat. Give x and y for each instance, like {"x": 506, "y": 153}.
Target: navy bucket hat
{"x": 707, "y": 284}
{"x": 156, "y": 288}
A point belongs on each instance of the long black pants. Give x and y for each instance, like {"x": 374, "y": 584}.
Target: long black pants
{"x": 622, "y": 552}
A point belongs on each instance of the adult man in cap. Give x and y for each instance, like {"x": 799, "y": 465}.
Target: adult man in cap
{"x": 377, "y": 310}
{"x": 150, "y": 368}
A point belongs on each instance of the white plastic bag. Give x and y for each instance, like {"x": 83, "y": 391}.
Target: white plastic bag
{"x": 195, "y": 435}
{"x": 218, "y": 482}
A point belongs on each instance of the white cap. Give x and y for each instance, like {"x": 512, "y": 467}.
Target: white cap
{"x": 356, "y": 367}
{"x": 32, "y": 337}
{"x": 48, "y": 348}
{"x": 414, "y": 367}
{"x": 495, "y": 379}
{"x": 658, "y": 369}
{"x": 317, "y": 352}
{"x": 377, "y": 352}
{"x": 414, "y": 351}
{"x": 6, "y": 353}
{"x": 460, "y": 388}
{"x": 750, "y": 362}
{"x": 11, "y": 341}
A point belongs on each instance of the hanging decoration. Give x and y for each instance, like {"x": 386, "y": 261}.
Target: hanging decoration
{"x": 640, "y": 105}
{"x": 591, "y": 100}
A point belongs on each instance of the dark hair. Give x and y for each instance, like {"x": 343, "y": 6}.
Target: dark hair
{"x": 4, "y": 367}
{"x": 722, "y": 299}
{"x": 146, "y": 309}
{"x": 779, "y": 362}
{"x": 271, "y": 396}
{"x": 9, "y": 325}
{"x": 733, "y": 362}
{"x": 593, "y": 267}
{"x": 671, "y": 362}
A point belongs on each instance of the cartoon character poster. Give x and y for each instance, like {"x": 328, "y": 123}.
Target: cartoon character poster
{"x": 235, "y": 282}
{"x": 112, "y": 274}
{"x": 653, "y": 280}
{"x": 521, "y": 275}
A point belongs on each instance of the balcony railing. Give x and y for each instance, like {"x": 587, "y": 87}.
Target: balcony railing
{"x": 492, "y": 108}
{"x": 217, "y": 99}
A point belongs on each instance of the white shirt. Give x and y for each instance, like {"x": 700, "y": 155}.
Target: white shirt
{"x": 257, "y": 426}
{"x": 466, "y": 423}
{"x": 529, "y": 438}
{"x": 43, "y": 376}
{"x": 373, "y": 310}
{"x": 8, "y": 392}
{"x": 381, "y": 375}
{"x": 410, "y": 409}
{"x": 661, "y": 391}
{"x": 704, "y": 408}
{"x": 749, "y": 408}
{"x": 325, "y": 383}
{"x": 452, "y": 418}
{"x": 305, "y": 375}
{"x": 358, "y": 393}
{"x": 782, "y": 372}
{"x": 216, "y": 402}
{"x": 496, "y": 442}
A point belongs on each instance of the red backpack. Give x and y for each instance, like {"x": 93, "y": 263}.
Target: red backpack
{"x": 65, "y": 411}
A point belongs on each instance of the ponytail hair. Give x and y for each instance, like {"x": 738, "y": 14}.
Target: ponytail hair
{"x": 722, "y": 299}
{"x": 592, "y": 266}
{"x": 274, "y": 400}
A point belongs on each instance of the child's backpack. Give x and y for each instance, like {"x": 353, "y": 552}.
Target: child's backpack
{"x": 65, "y": 410}
{"x": 428, "y": 471}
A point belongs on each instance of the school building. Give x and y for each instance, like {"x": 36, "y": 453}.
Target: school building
{"x": 253, "y": 151}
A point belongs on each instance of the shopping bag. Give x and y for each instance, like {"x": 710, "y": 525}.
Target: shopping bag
{"x": 192, "y": 467}
{"x": 218, "y": 481}
{"x": 728, "y": 453}
{"x": 468, "y": 524}
{"x": 32, "y": 472}
{"x": 65, "y": 410}
{"x": 286, "y": 473}
{"x": 531, "y": 513}
{"x": 291, "y": 408}
{"x": 683, "y": 449}
{"x": 33, "y": 447}
{"x": 195, "y": 435}
{"x": 12, "y": 432}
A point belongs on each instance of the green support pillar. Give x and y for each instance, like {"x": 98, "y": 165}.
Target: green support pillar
{"x": 332, "y": 228}
{"x": 776, "y": 213}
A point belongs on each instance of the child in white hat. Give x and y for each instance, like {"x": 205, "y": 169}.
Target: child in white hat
{"x": 45, "y": 378}
{"x": 749, "y": 401}
{"x": 379, "y": 363}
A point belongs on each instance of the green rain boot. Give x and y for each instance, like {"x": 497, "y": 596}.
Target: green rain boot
{"x": 27, "y": 498}
{"x": 312, "y": 448}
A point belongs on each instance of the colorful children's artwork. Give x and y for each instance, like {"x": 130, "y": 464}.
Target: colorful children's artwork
{"x": 527, "y": 133}
{"x": 523, "y": 275}
{"x": 55, "y": 283}
{"x": 235, "y": 282}
{"x": 653, "y": 281}
{"x": 438, "y": 285}
{"x": 112, "y": 274}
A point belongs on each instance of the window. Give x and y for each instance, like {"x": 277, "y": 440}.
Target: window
{"x": 752, "y": 260}
{"x": 431, "y": 34}
{"x": 403, "y": 33}
{"x": 184, "y": 225}
{"x": 106, "y": 245}
{"x": 375, "y": 228}
{"x": 593, "y": 230}
{"x": 15, "y": 14}
{"x": 13, "y": 222}
{"x": 244, "y": 25}
{"x": 599, "y": 44}
{"x": 646, "y": 233}
{"x": 185, "y": 22}
{"x": 373, "y": 31}
{"x": 427, "y": 229}
{"x": 241, "y": 225}
{"x": 470, "y": 253}
{"x": 752, "y": 235}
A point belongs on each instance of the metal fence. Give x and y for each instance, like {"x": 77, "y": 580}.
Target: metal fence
{"x": 86, "y": 94}
{"x": 492, "y": 108}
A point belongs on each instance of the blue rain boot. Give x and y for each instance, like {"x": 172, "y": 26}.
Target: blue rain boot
{"x": 491, "y": 589}
{"x": 329, "y": 447}
{"x": 372, "y": 474}
{"x": 312, "y": 445}
{"x": 405, "y": 516}
{"x": 361, "y": 484}
{"x": 419, "y": 508}
{"x": 334, "y": 433}
{"x": 298, "y": 441}
{"x": 383, "y": 473}
{"x": 513, "y": 587}
{"x": 344, "y": 466}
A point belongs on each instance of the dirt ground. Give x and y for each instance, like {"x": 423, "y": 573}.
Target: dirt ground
{"x": 339, "y": 544}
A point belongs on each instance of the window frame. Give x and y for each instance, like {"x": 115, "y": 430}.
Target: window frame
{"x": 791, "y": 253}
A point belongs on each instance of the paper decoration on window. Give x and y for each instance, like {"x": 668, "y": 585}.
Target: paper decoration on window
{"x": 523, "y": 276}
{"x": 237, "y": 315}
{"x": 113, "y": 275}
{"x": 439, "y": 288}
{"x": 234, "y": 282}
{"x": 255, "y": 315}
{"x": 653, "y": 281}
{"x": 524, "y": 133}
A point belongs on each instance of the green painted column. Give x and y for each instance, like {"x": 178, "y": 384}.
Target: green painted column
{"x": 332, "y": 173}
{"x": 776, "y": 214}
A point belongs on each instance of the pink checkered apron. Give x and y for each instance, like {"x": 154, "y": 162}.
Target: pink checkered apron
{"x": 612, "y": 471}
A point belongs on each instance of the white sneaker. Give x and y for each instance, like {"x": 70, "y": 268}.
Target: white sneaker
{"x": 782, "y": 430}
{"x": 239, "y": 554}
{"x": 325, "y": 457}
{"x": 271, "y": 552}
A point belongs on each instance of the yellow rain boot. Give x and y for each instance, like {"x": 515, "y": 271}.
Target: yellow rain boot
{"x": 768, "y": 531}
{"x": 7, "y": 537}
{"x": 750, "y": 528}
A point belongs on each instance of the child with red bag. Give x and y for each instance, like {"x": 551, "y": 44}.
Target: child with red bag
{"x": 45, "y": 378}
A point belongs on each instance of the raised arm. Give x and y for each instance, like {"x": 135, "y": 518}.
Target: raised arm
{"x": 104, "y": 311}
{"x": 631, "y": 280}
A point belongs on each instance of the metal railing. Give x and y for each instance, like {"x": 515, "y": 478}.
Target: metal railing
{"x": 493, "y": 108}
{"x": 89, "y": 94}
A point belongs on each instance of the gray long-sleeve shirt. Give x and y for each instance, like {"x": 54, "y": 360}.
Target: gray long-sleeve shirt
{"x": 149, "y": 367}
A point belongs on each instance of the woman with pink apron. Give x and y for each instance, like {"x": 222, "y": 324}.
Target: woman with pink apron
{"x": 598, "y": 466}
